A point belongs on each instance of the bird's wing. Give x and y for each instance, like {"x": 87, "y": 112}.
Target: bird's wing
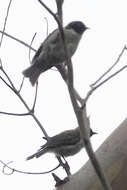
{"x": 38, "y": 53}
{"x": 47, "y": 46}
{"x": 65, "y": 138}
{"x": 52, "y": 37}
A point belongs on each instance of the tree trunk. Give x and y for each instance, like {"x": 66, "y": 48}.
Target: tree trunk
{"x": 112, "y": 156}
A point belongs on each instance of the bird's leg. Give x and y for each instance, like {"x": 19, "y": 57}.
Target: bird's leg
{"x": 67, "y": 166}
{"x": 64, "y": 165}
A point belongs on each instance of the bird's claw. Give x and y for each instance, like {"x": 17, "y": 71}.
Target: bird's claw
{"x": 59, "y": 181}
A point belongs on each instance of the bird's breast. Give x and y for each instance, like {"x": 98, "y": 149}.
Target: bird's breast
{"x": 69, "y": 150}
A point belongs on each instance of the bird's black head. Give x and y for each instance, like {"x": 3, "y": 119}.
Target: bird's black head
{"x": 78, "y": 26}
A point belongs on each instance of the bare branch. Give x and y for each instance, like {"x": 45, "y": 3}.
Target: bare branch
{"x": 35, "y": 98}
{"x": 23, "y": 172}
{"x": 48, "y": 9}
{"x": 31, "y": 45}
{"x": 111, "y": 76}
{"x": 21, "y": 85}
{"x": 8, "y": 78}
{"x": 25, "y": 104}
{"x": 100, "y": 84}
{"x": 5, "y": 22}
{"x": 18, "y": 40}
{"x": 7, "y": 84}
{"x": 105, "y": 73}
{"x": 81, "y": 118}
{"x": 47, "y": 31}
{"x": 14, "y": 114}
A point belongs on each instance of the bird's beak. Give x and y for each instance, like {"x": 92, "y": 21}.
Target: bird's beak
{"x": 87, "y": 28}
{"x": 94, "y": 133}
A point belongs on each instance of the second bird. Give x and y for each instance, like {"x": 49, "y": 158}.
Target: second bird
{"x": 51, "y": 52}
{"x": 67, "y": 143}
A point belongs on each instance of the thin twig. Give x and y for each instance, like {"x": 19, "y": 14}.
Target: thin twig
{"x": 24, "y": 172}
{"x": 100, "y": 84}
{"x": 18, "y": 40}
{"x": 105, "y": 73}
{"x": 27, "y": 107}
{"x": 12, "y": 87}
{"x": 47, "y": 28}
{"x": 21, "y": 85}
{"x": 35, "y": 97}
{"x": 5, "y": 22}
{"x": 31, "y": 46}
{"x": 8, "y": 78}
{"x": 29, "y": 61}
{"x": 7, "y": 84}
{"x": 111, "y": 76}
{"x": 14, "y": 114}
{"x": 48, "y": 9}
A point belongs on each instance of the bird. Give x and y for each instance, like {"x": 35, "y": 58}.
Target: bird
{"x": 65, "y": 144}
{"x": 51, "y": 52}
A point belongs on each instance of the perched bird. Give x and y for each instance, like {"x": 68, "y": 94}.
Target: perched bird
{"x": 64, "y": 144}
{"x": 51, "y": 51}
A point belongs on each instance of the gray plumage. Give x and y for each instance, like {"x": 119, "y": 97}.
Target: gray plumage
{"x": 51, "y": 52}
{"x": 64, "y": 144}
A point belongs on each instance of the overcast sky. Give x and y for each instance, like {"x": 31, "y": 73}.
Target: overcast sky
{"x": 98, "y": 50}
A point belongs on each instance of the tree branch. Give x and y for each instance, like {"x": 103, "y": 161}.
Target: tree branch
{"x": 35, "y": 97}
{"x": 31, "y": 46}
{"x": 79, "y": 113}
{"x": 5, "y": 22}
{"x": 18, "y": 40}
{"x": 24, "y": 172}
{"x": 100, "y": 84}
{"x": 25, "y": 104}
{"x": 14, "y": 114}
{"x": 114, "y": 64}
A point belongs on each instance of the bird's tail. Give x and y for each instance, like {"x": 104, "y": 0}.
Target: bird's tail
{"x": 32, "y": 73}
{"x": 39, "y": 153}
{"x": 30, "y": 157}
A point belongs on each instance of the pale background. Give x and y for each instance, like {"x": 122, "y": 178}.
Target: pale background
{"x": 98, "y": 50}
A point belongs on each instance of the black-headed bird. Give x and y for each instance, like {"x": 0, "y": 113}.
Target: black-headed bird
{"x": 51, "y": 52}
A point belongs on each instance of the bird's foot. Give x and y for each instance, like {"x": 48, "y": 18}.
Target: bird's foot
{"x": 59, "y": 181}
